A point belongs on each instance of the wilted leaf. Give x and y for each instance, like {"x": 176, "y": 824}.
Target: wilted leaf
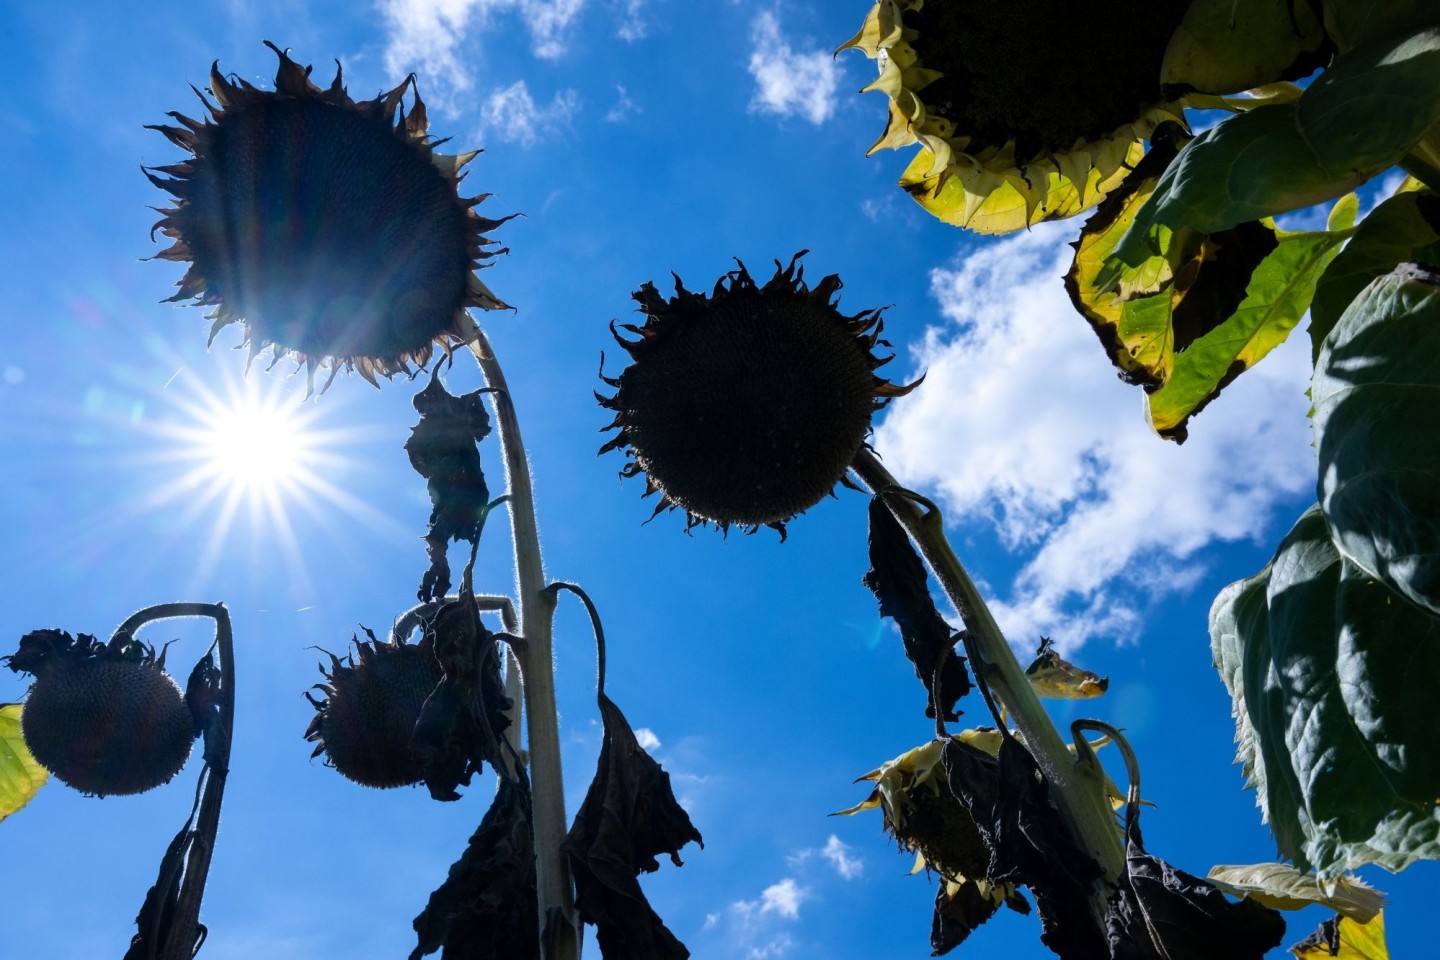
{"x": 1161, "y": 911}
{"x": 1281, "y": 886}
{"x": 1029, "y": 842}
{"x": 1341, "y": 938}
{"x": 459, "y": 728}
{"x": 21, "y": 776}
{"x": 442, "y": 450}
{"x": 898, "y": 580}
{"x": 961, "y": 908}
{"x": 1226, "y": 47}
{"x": 486, "y": 909}
{"x": 628, "y": 818}
{"x": 1051, "y": 676}
{"x": 1359, "y": 117}
{"x": 1331, "y": 678}
{"x": 1404, "y": 228}
{"x": 1376, "y": 391}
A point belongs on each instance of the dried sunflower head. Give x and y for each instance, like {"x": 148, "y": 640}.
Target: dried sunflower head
{"x": 330, "y": 228}
{"x": 746, "y": 406}
{"x": 1018, "y": 120}
{"x": 365, "y": 722}
{"x": 104, "y": 718}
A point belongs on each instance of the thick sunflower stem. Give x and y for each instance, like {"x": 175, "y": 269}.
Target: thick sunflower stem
{"x": 1079, "y": 796}
{"x": 559, "y": 932}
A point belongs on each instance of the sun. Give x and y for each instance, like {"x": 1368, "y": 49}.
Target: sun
{"x": 261, "y": 446}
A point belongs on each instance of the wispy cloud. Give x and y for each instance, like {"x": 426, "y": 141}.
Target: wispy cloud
{"x": 511, "y": 114}
{"x": 1022, "y": 423}
{"x": 756, "y": 929}
{"x": 425, "y": 36}
{"x": 837, "y": 853}
{"x": 790, "y": 83}
{"x": 633, "y": 25}
{"x": 624, "y": 107}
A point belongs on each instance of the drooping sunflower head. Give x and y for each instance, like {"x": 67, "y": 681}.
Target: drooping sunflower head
{"x": 331, "y": 229}
{"x": 746, "y": 406}
{"x": 104, "y": 718}
{"x": 1018, "y": 119}
{"x": 372, "y": 700}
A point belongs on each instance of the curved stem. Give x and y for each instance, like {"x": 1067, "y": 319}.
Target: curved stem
{"x": 995, "y": 666}
{"x": 595, "y": 625}
{"x": 184, "y": 933}
{"x": 557, "y": 902}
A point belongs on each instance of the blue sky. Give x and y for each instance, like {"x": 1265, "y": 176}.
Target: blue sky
{"x": 638, "y": 137}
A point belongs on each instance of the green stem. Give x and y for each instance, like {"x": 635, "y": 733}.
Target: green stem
{"x": 1423, "y": 165}
{"x": 559, "y": 933}
{"x": 1075, "y": 793}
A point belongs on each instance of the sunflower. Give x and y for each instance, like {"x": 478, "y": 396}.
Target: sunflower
{"x": 330, "y": 228}
{"x": 1017, "y": 121}
{"x": 746, "y": 406}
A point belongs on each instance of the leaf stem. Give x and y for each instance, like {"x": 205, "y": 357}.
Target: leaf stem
{"x": 995, "y": 666}
{"x": 1423, "y": 164}
{"x": 559, "y": 934}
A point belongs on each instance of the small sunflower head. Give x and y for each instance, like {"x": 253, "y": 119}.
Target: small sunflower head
{"x": 1018, "y": 119}
{"x": 331, "y": 229}
{"x": 104, "y": 718}
{"x": 373, "y": 698}
{"x": 746, "y": 406}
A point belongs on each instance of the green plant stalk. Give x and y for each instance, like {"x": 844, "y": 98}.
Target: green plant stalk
{"x": 535, "y": 655}
{"x": 1077, "y": 791}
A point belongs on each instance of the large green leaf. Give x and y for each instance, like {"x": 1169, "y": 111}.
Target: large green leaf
{"x": 1225, "y": 47}
{"x": 1276, "y": 296}
{"x": 1404, "y": 228}
{"x": 1352, "y": 22}
{"x": 1361, "y": 116}
{"x": 1376, "y": 391}
{"x": 21, "y": 777}
{"x": 1332, "y": 681}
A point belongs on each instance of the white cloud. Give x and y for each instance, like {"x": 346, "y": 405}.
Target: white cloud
{"x": 647, "y": 739}
{"x": 425, "y": 36}
{"x": 790, "y": 83}
{"x": 633, "y": 25}
{"x": 783, "y": 899}
{"x": 1022, "y": 423}
{"x": 512, "y": 114}
{"x": 754, "y": 929}
{"x": 841, "y": 856}
{"x": 624, "y": 107}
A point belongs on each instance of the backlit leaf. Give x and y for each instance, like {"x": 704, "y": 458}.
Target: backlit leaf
{"x": 1331, "y": 677}
{"x": 1341, "y": 938}
{"x": 21, "y": 776}
{"x": 1226, "y": 47}
{"x": 1352, "y": 22}
{"x": 1404, "y": 228}
{"x": 1057, "y": 678}
{"x": 1281, "y": 886}
{"x": 1361, "y": 116}
{"x": 1376, "y": 391}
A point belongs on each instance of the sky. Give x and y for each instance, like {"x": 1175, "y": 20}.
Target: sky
{"x": 637, "y": 137}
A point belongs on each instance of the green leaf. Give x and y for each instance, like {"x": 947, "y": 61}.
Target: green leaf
{"x": 1352, "y": 22}
{"x": 1404, "y": 228}
{"x": 1358, "y": 118}
{"x": 21, "y": 776}
{"x": 1331, "y": 678}
{"x": 1226, "y": 47}
{"x": 1376, "y": 392}
{"x": 1276, "y": 296}
{"x": 1281, "y": 886}
{"x": 1341, "y": 938}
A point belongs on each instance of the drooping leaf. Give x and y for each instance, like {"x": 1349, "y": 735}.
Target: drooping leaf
{"x": 1052, "y": 676}
{"x": 1376, "y": 391}
{"x": 21, "y": 776}
{"x": 1161, "y": 911}
{"x": 1226, "y": 47}
{"x": 1344, "y": 938}
{"x": 442, "y": 450}
{"x": 1281, "y": 886}
{"x": 1404, "y": 228}
{"x": 156, "y": 922}
{"x": 961, "y": 908}
{"x": 1330, "y": 675}
{"x": 1030, "y": 844}
{"x": 486, "y": 909}
{"x": 1361, "y": 116}
{"x": 898, "y": 580}
{"x": 459, "y": 728}
{"x": 628, "y": 818}
{"x": 1276, "y": 296}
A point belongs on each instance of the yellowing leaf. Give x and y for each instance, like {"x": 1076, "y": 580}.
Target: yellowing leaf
{"x": 1283, "y": 887}
{"x": 1056, "y": 678}
{"x": 21, "y": 777}
{"x": 1341, "y": 938}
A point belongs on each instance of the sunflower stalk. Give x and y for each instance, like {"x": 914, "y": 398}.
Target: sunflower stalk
{"x": 1076, "y": 790}
{"x": 559, "y": 934}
